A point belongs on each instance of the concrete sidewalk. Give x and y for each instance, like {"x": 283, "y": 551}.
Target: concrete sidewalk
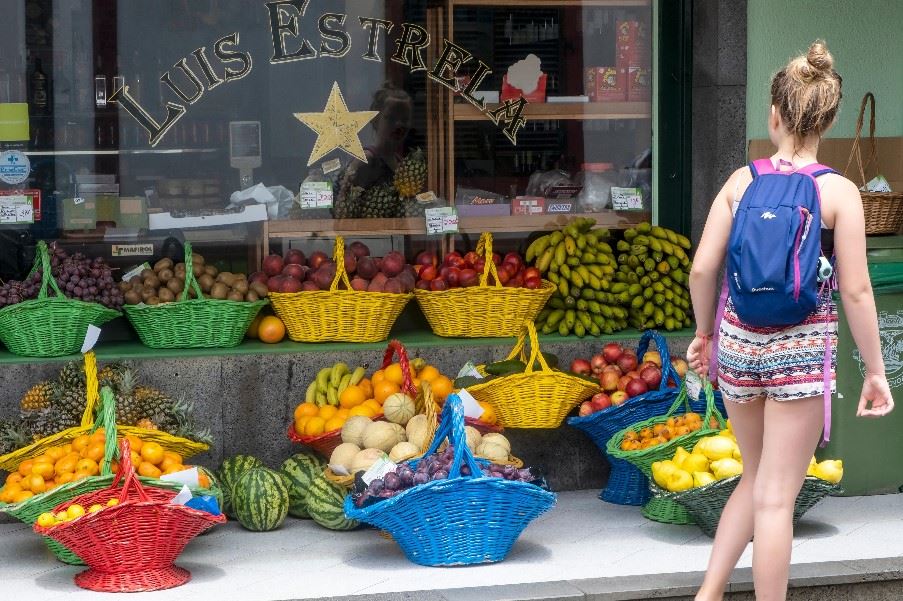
{"x": 583, "y": 549}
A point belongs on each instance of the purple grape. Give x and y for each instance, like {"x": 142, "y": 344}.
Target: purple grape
{"x": 375, "y": 487}
{"x": 391, "y": 481}
{"x": 525, "y": 474}
{"x": 421, "y": 478}
{"x": 465, "y": 470}
{"x": 440, "y": 475}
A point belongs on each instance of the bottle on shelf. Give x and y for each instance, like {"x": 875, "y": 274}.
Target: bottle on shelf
{"x": 39, "y": 88}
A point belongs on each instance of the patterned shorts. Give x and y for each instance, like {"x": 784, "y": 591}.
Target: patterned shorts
{"x": 783, "y": 363}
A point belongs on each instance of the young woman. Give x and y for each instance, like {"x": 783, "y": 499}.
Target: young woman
{"x": 777, "y": 414}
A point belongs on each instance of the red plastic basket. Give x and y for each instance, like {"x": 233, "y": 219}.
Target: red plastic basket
{"x": 130, "y": 547}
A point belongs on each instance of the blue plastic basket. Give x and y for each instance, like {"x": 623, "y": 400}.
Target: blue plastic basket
{"x": 626, "y": 484}
{"x": 463, "y": 520}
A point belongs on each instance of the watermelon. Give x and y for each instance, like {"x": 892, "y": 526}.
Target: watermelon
{"x": 325, "y": 504}
{"x": 300, "y": 470}
{"x": 229, "y": 473}
{"x": 260, "y": 499}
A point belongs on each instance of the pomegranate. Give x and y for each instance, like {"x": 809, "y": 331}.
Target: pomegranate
{"x": 366, "y": 268}
{"x": 294, "y": 270}
{"x": 272, "y": 265}
{"x": 359, "y": 249}
{"x": 438, "y": 284}
{"x": 309, "y": 286}
{"x": 258, "y": 276}
{"x": 290, "y": 285}
{"x": 294, "y": 256}
{"x": 350, "y": 263}
{"x": 359, "y": 284}
{"x": 393, "y": 264}
{"x": 393, "y": 286}
{"x": 274, "y": 284}
{"x": 533, "y": 283}
{"x": 453, "y": 277}
{"x": 316, "y": 259}
{"x": 426, "y": 258}
{"x": 428, "y": 273}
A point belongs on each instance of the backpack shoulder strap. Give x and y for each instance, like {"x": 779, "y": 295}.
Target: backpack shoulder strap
{"x": 815, "y": 170}
{"x": 761, "y": 167}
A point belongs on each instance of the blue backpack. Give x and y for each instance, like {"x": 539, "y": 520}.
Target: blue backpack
{"x": 775, "y": 246}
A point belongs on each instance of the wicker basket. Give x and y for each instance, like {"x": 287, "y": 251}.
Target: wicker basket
{"x": 662, "y": 509}
{"x": 193, "y": 323}
{"x": 49, "y": 326}
{"x": 883, "y": 210}
{"x": 463, "y": 520}
{"x": 339, "y": 315}
{"x": 706, "y": 503}
{"x": 484, "y": 311}
{"x": 533, "y": 399}
{"x": 131, "y": 546}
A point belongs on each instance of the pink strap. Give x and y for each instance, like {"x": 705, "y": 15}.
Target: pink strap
{"x": 813, "y": 168}
{"x": 826, "y": 369}
{"x": 763, "y": 166}
{"x": 719, "y": 315}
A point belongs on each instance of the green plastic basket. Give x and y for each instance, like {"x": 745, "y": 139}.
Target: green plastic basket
{"x": 193, "y": 323}
{"x": 49, "y": 326}
{"x": 661, "y": 509}
{"x": 706, "y": 503}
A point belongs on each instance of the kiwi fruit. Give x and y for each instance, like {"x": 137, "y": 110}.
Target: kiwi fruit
{"x": 226, "y": 278}
{"x": 132, "y": 297}
{"x": 197, "y": 259}
{"x": 179, "y": 267}
{"x": 261, "y": 289}
{"x": 252, "y": 297}
{"x": 241, "y": 286}
{"x": 166, "y": 296}
{"x": 136, "y": 283}
{"x": 124, "y": 286}
{"x": 162, "y": 264}
{"x": 153, "y": 301}
{"x": 219, "y": 291}
{"x": 146, "y": 273}
{"x": 147, "y": 293}
{"x": 198, "y": 270}
{"x": 176, "y": 285}
{"x": 206, "y": 282}
{"x": 236, "y": 296}
{"x": 152, "y": 282}
{"x": 164, "y": 275}
{"x": 213, "y": 271}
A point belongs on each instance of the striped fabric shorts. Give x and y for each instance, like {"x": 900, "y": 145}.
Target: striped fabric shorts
{"x": 783, "y": 363}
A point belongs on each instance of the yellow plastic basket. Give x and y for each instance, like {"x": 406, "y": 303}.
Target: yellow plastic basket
{"x": 338, "y": 315}
{"x": 536, "y": 398}
{"x": 484, "y": 311}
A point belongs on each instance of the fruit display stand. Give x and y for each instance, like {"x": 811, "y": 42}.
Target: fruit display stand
{"x": 197, "y": 322}
{"x": 486, "y": 310}
{"x": 462, "y": 520}
{"x": 536, "y": 398}
{"x": 705, "y": 504}
{"x": 343, "y": 315}
{"x": 49, "y": 326}
{"x": 662, "y": 509}
{"x": 144, "y": 522}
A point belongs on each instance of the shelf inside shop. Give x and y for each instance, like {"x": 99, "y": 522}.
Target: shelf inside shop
{"x": 466, "y": 225}
{"x": 566, "y": 110}
{"x": 542, "y": 3}
{"x": 122, "y": 151}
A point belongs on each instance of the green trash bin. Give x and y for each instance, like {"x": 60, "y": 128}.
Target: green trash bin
{"x": 871, "y": 449}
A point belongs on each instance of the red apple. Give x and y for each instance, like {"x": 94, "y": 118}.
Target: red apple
{"x": 272, "y": 265}
{"x": 516, "y": 282}
{"x": 274, "y": 284}
{"x": 428, "y": 273}
{"x": 623, "y": 381}
{"x": 294, "y": 256}
{"x": 514, "y": 258}
{"x": 258, "y": 276}
{"x": 455, "y": 260}
{"x": 597, "y": 363}
{"x": 636, "y": 387}
{"x": 309, "y": 286}
{"x": 680, "y": 366}
{"x": 581, "y": 367}
{"x": 652, "y": 356}
{"x": 504, "y": 276}
{"x": 438, "y": 284}
{"x": 600, "y": 401}
{"x": 627, "y": 362}
{"x": 350, "y": 263}
{"x": 618, "y": 397}
{"x": 316, "y": 259}
{"x": 612, "y": 351}
{"x": 471, "y": 259}
{"x": 532, "y": 283}
{"x": 532, "y": 272}
{"x": 609, "y": 381}
{"x": 426, "y": 258}
{"x": 453, "y": 278}
{"x": 290, "y": 285}
{"x": 294, "y": 270}
{"x": 586, "y": 408}
{"x": 479, "y": 265}
{"x": 652, "y": 375}
{"x": 497, "y": 259}
{"x": 468, "y": 278}
{"x": 422, "y": 285}
{"x": 359, "y": 284}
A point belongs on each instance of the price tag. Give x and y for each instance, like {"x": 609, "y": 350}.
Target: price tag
{"x": 441, "y": 220}
{"x": 90, "y": 338}
{"x": 471, "y": 407}
{"x": 78, "y": 200}
{"x": 379, "y": 469}
{"x": 693, "y": 384}
{"x": 135, "y": 271}
{"x": 188, "y": 477}
{"x": 339, "y": 470}
{"x": 470, "y": 370}
{"x": 16, "y": 209}
{"x": 331, "y": 165}
{"x": 183, "y": 497}
{"x": 627, "y": 199}
{"x": 316, "y": 195}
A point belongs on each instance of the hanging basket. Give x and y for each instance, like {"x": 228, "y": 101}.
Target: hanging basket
{"x": 485, "y": 311}
{"x": 338, "y": 315}
{"x": 463, "y": 520}
{"x": 661, "y": 509}
{"x": 883, "y": 210}
{"x": 131, "y": 546}
{"x": 536, "y": 398}
{"x": 49, "y": 326}
{"x": 193, "y": 322}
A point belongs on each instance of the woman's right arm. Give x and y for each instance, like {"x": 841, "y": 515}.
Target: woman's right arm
{"x": 856, "y": 293}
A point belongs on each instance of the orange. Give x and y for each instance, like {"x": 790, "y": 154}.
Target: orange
{"x": 80, "y": 442}
{"x": 13, "y": 478}
{"x": 87, "y": 465}
{"x": 301, "y": 422}
{"x": 327, "y": 411}
{"x": 42, "y": 468}
{"x": 429, "y": 373}
{"x": 488, "y": 416}
{"x": 315, "y": 426}
{"x": 25, "y": 467}
{"x": 95, "y": 451}
{"x": 67, "y": 448}
{"x": 271, "y": 329}
{"x": 254, "y": 327}
{"x": 343, "y": 413}
{"x": 152, "y": 452}
{"x": 203, "y": 480}
{"x": 306, "y": 409}
{"x": 9, "y": 492}
{"x": 135, "y": 443}
{"x": 352, "y": 396}
{"x": 167, "y": 463}
{"x": 36, "y": 483}
{"x": 394, "y": 374}
{"x": 136, "y": 457}
{"x": 64, "y": 478}
{"x": 149, "y": 470}
{"x": 98, "y": 436}
{"x": 416, "y": 382}
{"x": 175, "y": 467}
{"x": 54, "y": 453}
{"x": 364, "y": 410}
{"x": 378, "y": 376}
{"x": 80, "y": 475}
{"x": 334, "y": 423}
{"x": 22, "y": 496}
{"x": 114, "y": 467}
{"x": 172, "y": 455}
{"x": 384, "y": 390}
{"x": 442, "y": 386}
{"x": 65, "y": 465}
{"x": 374, "y": 406}
{"x": 367, "y": 387}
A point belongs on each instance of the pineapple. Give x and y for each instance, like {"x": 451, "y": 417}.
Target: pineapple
{"x": 37, "y": 397}
{"x": 147, "y": 424}
{"x": 68, "y": 404}
{"x": 72, "y": 377}
{"x": 410, "y": 177}
{"x": 112, "y": 374}
{"x": 381, "y": 201}
{"x": 179, "y": 422}
{"x": 128, "y": 409}
{"x": 151, "y": 402}
{"x": 12, "y": 437}
{"x": 44, "y": 422}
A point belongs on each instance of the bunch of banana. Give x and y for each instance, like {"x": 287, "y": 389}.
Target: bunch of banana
{"x": 581, "y": 263}
{"x": 652, "y": 277}
{"x": 331, "y": 382}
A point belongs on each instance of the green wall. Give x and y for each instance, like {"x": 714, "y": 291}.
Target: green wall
{"x": 863, "y": 35}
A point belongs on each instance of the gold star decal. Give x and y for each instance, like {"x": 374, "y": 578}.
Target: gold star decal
{"x": 336, "y": 127}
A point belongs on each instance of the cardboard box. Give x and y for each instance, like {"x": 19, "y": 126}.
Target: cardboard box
{"x": 132, "y": 212}
{"x": 84, "y": 212}
{"x": 608, "y": 84}
{"x": 490, "y": 210}
{"x": 639, "y": 85}
{"x": 528, "y": 205}
{"x": 632, "y": 44}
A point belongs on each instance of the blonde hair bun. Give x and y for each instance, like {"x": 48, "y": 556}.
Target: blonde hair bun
{"x": 819, "y": 57}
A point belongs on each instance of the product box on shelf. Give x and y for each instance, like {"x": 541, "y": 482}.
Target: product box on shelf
{"x": 639, "y": 85}
{"x": 528, "y": 205}
{"x": 606, "y": 84}
{"x": 83, "y": 212}
{"x": 632, "y": 44}
{"x": 480, "y": 203}
{"x": 132, "y": 212}
{"x": 537, "y": 95}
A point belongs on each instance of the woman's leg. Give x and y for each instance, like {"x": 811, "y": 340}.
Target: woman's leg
{"x": 735, "y": 528}
{"x": 792, "y": 431}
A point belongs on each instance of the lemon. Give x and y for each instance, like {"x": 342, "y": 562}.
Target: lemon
{"x": 46, "y": 520}
{"x": 679, "y": 457}
{"x": 113, "y": 501}
{"x": 696, "y": 462}
{"x": 726, "y": 468}
{"x": 95, "y": 508}
{"x": 718, "y": 447}
{"x": 830, "y": 470}
{"x": 75, "y": 511}
{"x": 661, "y": 470}
{"x": 702, "y": 478}
{"x": 62, "y": 516}
{"x": 679, "y": 480}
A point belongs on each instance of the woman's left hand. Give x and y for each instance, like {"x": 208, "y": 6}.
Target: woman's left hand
{"x": 699, "y": 353}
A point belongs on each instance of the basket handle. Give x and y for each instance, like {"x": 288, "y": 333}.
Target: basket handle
{"x": 126, "y": 468}
{"x": 710, "y": 408}
{"x": 451, "y": 426}
{"x": 856, "y": 149}
{"x": 529, "y": 332}
{"x": 191, "y": 282}
{"x": 107, "y": 420}
{"x": 662, "y": 346}
{"x": 42, "y": 262}
{"x": 429, "y": 410}
{"x": 338, "y": 255}
{"x": 484, "y": 249}
{"x": 396, "y": 347}
{"x": 91, "y": 389}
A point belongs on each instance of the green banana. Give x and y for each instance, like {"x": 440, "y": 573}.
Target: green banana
{"x": 555, "y": 237}
{"x": 310, "y": 396}
{"x": 338, "y": 370}
{"x": 359, "y": 372}
{"x": 321, "y": 398}
{"x": 570, "y": 246}
{"x": 332, "y": 396}
{"x": 545, "y": 260}
{"x": 343, "y": 383}
{"x": 560, "y": 253}
{"x": 323, "y": 379}
{"x": 537, "y": 247}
